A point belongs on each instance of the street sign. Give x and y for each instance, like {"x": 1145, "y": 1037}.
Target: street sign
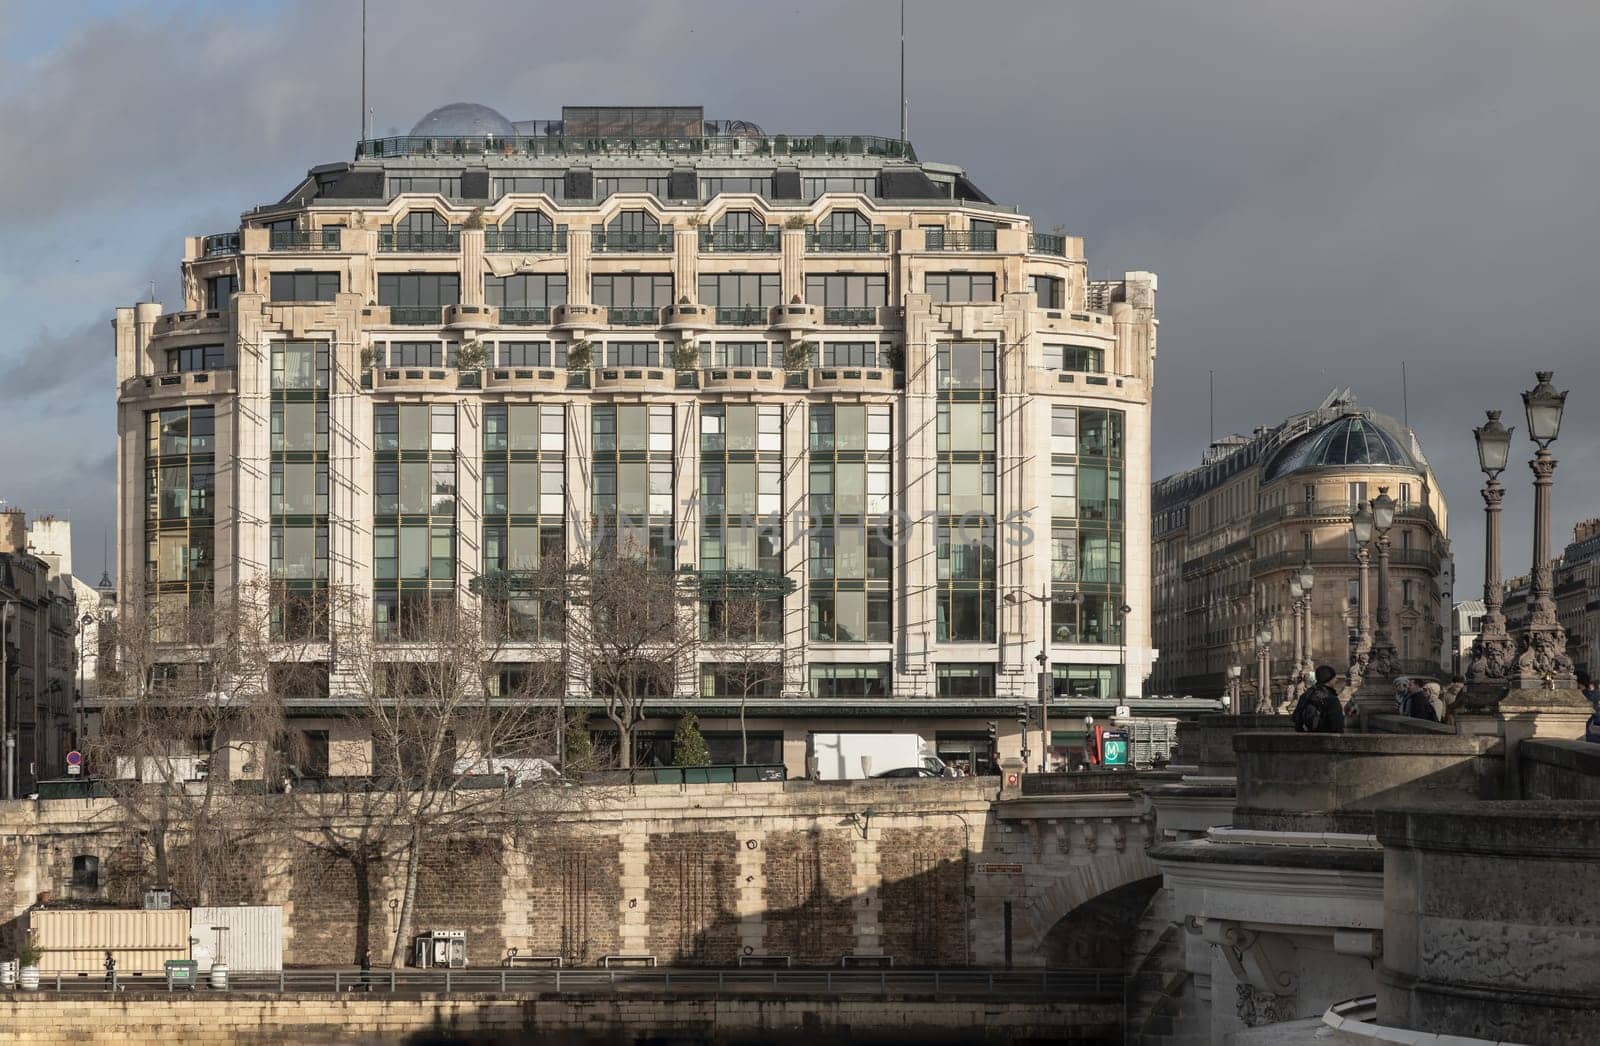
{"x": 1114, "y": 748}
{"x": 74, "y": 763}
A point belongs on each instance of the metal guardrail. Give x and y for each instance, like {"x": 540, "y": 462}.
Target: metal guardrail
{"x": 514, "y": 240}
{"x": 220, "y": 243}
{"x": 756, "y": 241}
{"x": 603, "y": 242}
{"x": 631, "y": 145}
{"x": 1045, "y": 243}
{"x": 947, "y": 240}
{"x": 1043, "y": 985}
{"x": 420, "y": 242}
{"x": 524, "y": 315}
{"x": 872, "y": 241}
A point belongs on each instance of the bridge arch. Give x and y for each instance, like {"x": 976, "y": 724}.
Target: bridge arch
{"x": 1079, "y": 885}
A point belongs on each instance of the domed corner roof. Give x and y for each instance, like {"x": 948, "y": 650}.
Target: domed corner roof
{"x": 467, "y": 119}
{"x": 1354, "y": 439}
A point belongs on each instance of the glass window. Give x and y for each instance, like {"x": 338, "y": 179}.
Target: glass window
{"x": 967, "y": 365}
{"x": 850, "y": 680}
{"x": 1049, "y": 292}
{"x": 960, "y": 287}
{"x": 195, "y": 357}
{"x": 303, "y": 286}
{"x": 408, "y": 290}
{"x": 633, "y": 290}
{"x": 526, "y": 291}
{"x": 847, "y": 290}
{"x": 1075, "y": 358}
{"x": 975, "y": 681}
{"x": 220, "y": 291}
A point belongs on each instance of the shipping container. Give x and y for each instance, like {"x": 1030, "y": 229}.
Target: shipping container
{"x": 75, "y": 940}
{"x": 250, "y": 938}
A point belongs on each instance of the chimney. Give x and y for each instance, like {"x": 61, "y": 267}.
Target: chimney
{"x": 13, "y": 530}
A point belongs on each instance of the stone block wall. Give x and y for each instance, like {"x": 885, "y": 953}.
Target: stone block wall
{"x": 925, "y": 872}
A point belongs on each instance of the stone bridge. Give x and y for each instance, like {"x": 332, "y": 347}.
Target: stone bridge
{"x": 939, "y": 873}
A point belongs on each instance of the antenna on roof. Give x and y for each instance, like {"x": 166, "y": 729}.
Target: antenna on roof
{"x": 1212, "y": 378}
{"x": 1405, "y": 400}
{"x": 363, "y": 129}
{"x": 904, "y": 105}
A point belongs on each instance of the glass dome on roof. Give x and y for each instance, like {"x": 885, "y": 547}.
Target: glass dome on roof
{"x": 1351, "y": 440}
{"x": 467, "y": 119}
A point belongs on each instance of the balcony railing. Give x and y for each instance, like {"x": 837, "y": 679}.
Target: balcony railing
{"x": 415, "y": 315}
{"x": 850, "y": 316}
{"x": 430, "y": 242}
{"x": 633, "y": 316}
{"x": 1044, "y": 243}
{"x": 605, "y": 242}
{"x": 553, "y": 241}
{"x": 742, "y": 315}
{"x": 871, "y": 240}
{"x": 945, "y": 240}
{"x": 1334, "y": 509}
{"x": 524, "y": 315}
{"x": 304, "y": 240}
{"x": 1400, "y": 557}
{"x": 220, "y": 243}
{"x": 755, "y": 241}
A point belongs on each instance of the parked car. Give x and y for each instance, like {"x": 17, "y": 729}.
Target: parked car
{"x": 910, "y": 771}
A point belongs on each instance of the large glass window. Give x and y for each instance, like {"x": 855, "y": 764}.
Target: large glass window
{"x": 633, "y": 297}
{"x": 848, "y": 297}
{"x": 746, "y": 297}
{"x": 960, "y": 287}
{"x": 196, "y": 357}
{"x": 1049, "y": 292}
{"x": 527, "y": 297}
{"x": 418, "y": 297}
{"x": 553, "y": 186}
{"x": 1086, "y": 525}
{"x": 761, "y": 185}
{"x": 414, "y": 514}
{"x": 179, "y": 519}
{"x": 965, "y": 491}
{"x": 632, "y": 231}
{"x": 524, "y": 516}
{"x": 632, "y": 469}
{"x": 610, "y": 184}
{"x": 303, "y": 286}
{"x": 741, "y": 532}
{"x": 813, "y": 186}
{"x": 220, "y": 291}
{"x": 1080, "y": 358}
{"x": 850, "y": 544}
{"x": 850, "y": 680}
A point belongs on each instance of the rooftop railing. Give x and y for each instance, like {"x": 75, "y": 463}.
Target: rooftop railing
{"x": 605, "y": 242}
{"x": 945, "y": 240}
{"x": 553, "y": 241}
{"x": 1044, "y": 243}
{"x": 416, "y": 315}
{"x": 304, "y": 240}
{"x": 850, "y": 316}
{"x": 755, "y": 241}
{"x": 868, "y": 240}
{"x": 633, "y": 316}
{"x": 220, "y": 243}
{"x": 432, "y": 241}
{"x": 742, "y": 315}
{"x": 524, "y": 315}
{"x": 633, "y": 145}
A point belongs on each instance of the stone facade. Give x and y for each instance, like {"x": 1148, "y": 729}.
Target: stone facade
{"x": 935, "y": 874}
{"x": 1050, "y": 352}
{"x": 1228, "y": 534}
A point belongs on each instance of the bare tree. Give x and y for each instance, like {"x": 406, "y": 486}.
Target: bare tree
{"x": 743, "y": 637}
{"x": 631, "y": 631}
{"x": 192, "y": 732}
{"x": 462, "y": 742}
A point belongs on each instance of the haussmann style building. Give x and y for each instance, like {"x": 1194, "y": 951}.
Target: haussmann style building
{"x": 1230, "y": 533}
{"x": 681, "y": 323}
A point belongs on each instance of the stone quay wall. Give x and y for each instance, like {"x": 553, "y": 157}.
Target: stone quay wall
{"x": 308, "y": 1019}
{"x": 926, "y": 872}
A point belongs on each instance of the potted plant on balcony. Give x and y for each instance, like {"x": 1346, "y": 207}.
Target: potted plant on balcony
{"x": 369, "y": 359}
{"x": 474, "y": 220}
{"x": 470, "y": 357}
{"x": 579, "y": 355}
{"x": 894, "y": 357}
{"x": 798, "y": 355}
{"x": 29, "y": 954}
{"x": 797, "y": 221}
{"x": 685, "y": 357}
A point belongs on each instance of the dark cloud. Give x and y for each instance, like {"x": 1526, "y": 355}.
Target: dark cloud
{"x": 80, "y": 361}
{"x": 1325, "y": 190}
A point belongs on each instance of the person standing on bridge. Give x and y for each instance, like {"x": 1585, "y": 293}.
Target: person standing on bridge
{"x": 1319, "y": 711}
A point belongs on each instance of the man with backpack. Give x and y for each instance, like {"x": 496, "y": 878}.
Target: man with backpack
{"x": 1318, "y": 711}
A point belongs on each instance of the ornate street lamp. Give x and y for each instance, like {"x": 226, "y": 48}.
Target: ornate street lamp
{"x": 1297, "y": 593}
{"x": 1493, "y": 650}
{"x": 1307, "y": 581}
{"x": 1385, "y": 659}
{"x": 1264, "y": 671}
{"x": 1544, "y": 661}
{"x": 1234, "y": 685}
{"x": 1361, "y": 522}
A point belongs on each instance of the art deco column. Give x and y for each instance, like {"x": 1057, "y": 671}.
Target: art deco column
{"x": 1543, "y": 661}
{"x": 1493, "y": 650}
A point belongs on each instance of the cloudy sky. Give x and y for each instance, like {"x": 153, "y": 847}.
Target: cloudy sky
{"x": 1325, "y": 190}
